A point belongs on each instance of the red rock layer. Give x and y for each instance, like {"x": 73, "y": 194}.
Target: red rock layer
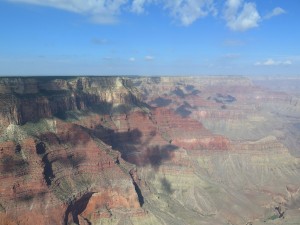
{"x": 50, "y": 179}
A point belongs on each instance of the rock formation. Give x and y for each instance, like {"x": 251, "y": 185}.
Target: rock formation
{"x": 138, "y": 150}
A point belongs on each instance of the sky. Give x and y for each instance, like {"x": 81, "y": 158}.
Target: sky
{"x": 149, "y": 37}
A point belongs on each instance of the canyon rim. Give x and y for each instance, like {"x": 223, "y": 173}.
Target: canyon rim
{"x": 149, "y": 150}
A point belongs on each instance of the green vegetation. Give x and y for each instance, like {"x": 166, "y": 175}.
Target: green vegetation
{"x": 166, "y": 136}
{"x": 52, "y": 78}
{"x": 42, "y": 126}
{"x": 26, "y": 198}
{"x": 42, "y": 93}
{"x": 76, "y": 115}
{"x": 13, "y": 133}
{"x": 2, "y": 209}
{"x": 17, "y": 133}
{"x": 64, "y": 191}
{"x": 102, "y": 108}
{"x": 83, "y": 182}
{"x": 122, "y": 109}
{"x": 273, "y": 217}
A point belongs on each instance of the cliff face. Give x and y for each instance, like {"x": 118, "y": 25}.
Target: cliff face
{"x": 54, "y": 167}
{"x": 168, "y": 150}
{"x": 30, "y": 99}
{"x": 59, "y": 174}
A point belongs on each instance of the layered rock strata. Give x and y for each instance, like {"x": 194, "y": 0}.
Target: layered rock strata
{"x": 169, "y": 150}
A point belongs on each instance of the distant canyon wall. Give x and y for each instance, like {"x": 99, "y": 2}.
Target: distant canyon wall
{"x": 30, "y": 99}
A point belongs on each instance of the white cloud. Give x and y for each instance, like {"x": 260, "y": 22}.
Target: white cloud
{"x": 185, "y": 11}
{"x": 131, "y": 59}
{"x": 149, "y": 58}
{"x": 276, "y": 12}
{"x": 287, "y": 62}
{"x": 104, "y": 11}
{"x": 240, "y": 15}
{"x": 271, "y": 62}
{"x": 138, "y": 6}
{"x": 188, "y": 11}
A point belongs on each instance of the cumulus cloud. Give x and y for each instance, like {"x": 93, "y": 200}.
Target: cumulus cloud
{"x": 276, "y": 12}
{"x": 240, "y": 15}
{"x": 106, "y": 11}
{"x": 138, "y": 6}
{"x": 187, "y": 11}
{"x": 271, "y": 62}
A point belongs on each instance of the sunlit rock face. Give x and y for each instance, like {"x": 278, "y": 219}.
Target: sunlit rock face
{"x": 24, "y": 100}
{"x": 138, "y": 150}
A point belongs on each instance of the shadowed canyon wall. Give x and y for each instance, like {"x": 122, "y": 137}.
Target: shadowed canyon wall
{"x": 142, "y": 150}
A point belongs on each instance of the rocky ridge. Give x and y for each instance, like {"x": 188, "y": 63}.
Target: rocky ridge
{"x": 169, "y": 150}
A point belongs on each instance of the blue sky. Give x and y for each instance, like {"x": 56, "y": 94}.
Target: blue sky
{"x": 149, "y": 37}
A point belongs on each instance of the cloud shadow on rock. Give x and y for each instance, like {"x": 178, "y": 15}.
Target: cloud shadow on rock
{"x": 166, "y": 185}
{"x": 133, "y": 149}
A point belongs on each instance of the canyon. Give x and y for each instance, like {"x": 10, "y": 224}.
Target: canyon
{"x": 149, "y": 150}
